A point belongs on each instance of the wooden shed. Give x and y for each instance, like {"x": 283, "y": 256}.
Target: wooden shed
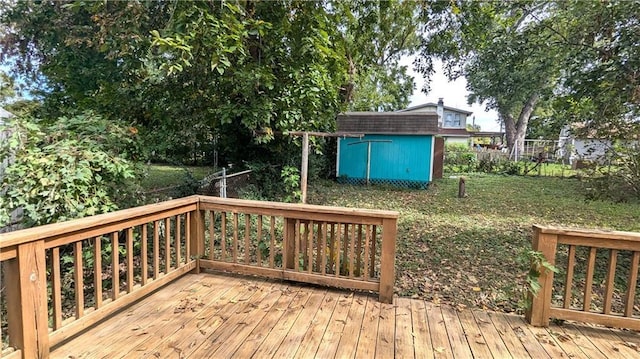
{"x": 395, "y": 148}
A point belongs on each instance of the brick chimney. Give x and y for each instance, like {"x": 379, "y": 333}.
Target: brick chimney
{"x": 440, "y": 111}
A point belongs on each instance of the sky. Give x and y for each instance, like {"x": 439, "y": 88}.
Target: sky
{"x": 454, "y": 94}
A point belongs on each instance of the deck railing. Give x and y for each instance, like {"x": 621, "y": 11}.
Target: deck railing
{"x": 585, "y": 258}
{"x": 348, "y": 248}
{"x": 62, "y": 278}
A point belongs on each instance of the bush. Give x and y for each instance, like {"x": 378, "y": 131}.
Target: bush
{"x": 74, "y": 167}
{"x": 459, "y": 158}
{"x": 619, "y": 182}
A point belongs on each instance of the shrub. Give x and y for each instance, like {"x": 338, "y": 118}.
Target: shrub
{"x": 74, "y": 167}
{"x": 459, "y": 158}
{"x": 619, "y": 181}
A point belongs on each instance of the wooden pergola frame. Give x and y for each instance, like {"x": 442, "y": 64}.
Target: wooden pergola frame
{"x": 304, "y": 168}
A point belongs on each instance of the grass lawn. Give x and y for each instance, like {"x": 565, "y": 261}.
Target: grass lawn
{"x": 161, "y": 175}
{"x": 464, "y": 251}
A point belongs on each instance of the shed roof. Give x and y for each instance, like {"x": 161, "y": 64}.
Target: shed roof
{"x": 403, "y": 123}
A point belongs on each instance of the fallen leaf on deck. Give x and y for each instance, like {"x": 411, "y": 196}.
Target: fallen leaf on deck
{"x": 563, "y": 338}
{"x": 439, "y": 349}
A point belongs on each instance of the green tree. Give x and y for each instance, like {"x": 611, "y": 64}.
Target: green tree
{"x": 193, "y": 76}
{"x": 375, "y": 36}
{"x": 503, "y": 50}
{"x": 7, "y": 90}
{"x": 600, "y": 85}
{"x": 75, "y": 167}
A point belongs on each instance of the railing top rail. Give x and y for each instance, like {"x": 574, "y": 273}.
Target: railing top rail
{"x": 589, "y": 233}
{"x": 12, "y": 239}
{"x": 55, "y": 229}
{"x": 297, "y": 207}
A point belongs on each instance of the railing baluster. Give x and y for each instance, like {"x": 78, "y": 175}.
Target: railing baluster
{"x": 309, "y": 236}
{"x": 367, "y": 244}
{"x": 187, "y": 238}
{"x": 337, "y": 246}
{"x": 78, "y": 278}
{"x": 319, "y": 248}
{"x": 115, "y": 266}
{"x": 296, "y": 241}
{"x": 223, "y": 236}
{"x": 234, "y": 250}
{"x": 247, "y": 238}
{"x": 167, "y": 245}
{"x": 374, "y": 241}
{"x": 571, "y": 261}
{"x": 56, "y": 286}
{"x": 97, "y": 271}
{"x": 130, "y": 259}
{"x": 143, "y": 254}
{"x": 610, "y": 281}
{"x": 156, "y": 250}
{"x": 352, "y": 246}
{"x": 345, "y": 246}
{"x": 258, "y": 241}
{"x": 359, "y": 252}
{"x": 178, "y": 239}
{"x": 332, "y": 250}
{"x": 631, "y": 285}
{"x": 304, "y": 241}
{"x": 212, "y": 239}
{"x": 589, "y": 279}
{"x": 322, "y": 248}
{"x": 272, "y": 242}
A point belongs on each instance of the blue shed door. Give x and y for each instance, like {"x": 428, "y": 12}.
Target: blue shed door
{"x": 393, "y": 158}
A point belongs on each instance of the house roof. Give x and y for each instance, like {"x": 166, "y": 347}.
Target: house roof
{"x": 433, "y": 104}
{"x": 454, "y": 132}
{"x": 414, "y": 123}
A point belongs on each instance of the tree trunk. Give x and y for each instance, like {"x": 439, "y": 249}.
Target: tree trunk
{"x": 517, "y": 130}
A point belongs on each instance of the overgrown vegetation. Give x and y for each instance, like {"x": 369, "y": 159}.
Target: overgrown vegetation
{"x": 619, "y": 180}
{"x": 68, "y": 168}
{"x": 464, "y": 251}
{"x": 460, "y": 158}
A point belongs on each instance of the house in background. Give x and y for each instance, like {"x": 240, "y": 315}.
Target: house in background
{"x": 586, "y": 148}
{"x": 395, "y": 148}
{"x": 452, "y": 122}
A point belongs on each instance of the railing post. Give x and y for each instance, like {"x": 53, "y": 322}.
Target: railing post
{"x": 388, "y": 259}
{"x": 26, "y": 284}
{"x": 539, "y": 312}
{"x": 196, "y": 235}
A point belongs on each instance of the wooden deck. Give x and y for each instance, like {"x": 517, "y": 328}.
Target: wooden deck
{"x": 211, "y": 315}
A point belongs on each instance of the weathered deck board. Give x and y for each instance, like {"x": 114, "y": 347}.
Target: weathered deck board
{"x": 229, "y": 316}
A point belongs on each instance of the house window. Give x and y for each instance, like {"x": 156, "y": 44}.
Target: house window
{"x": 452, "y": 120}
